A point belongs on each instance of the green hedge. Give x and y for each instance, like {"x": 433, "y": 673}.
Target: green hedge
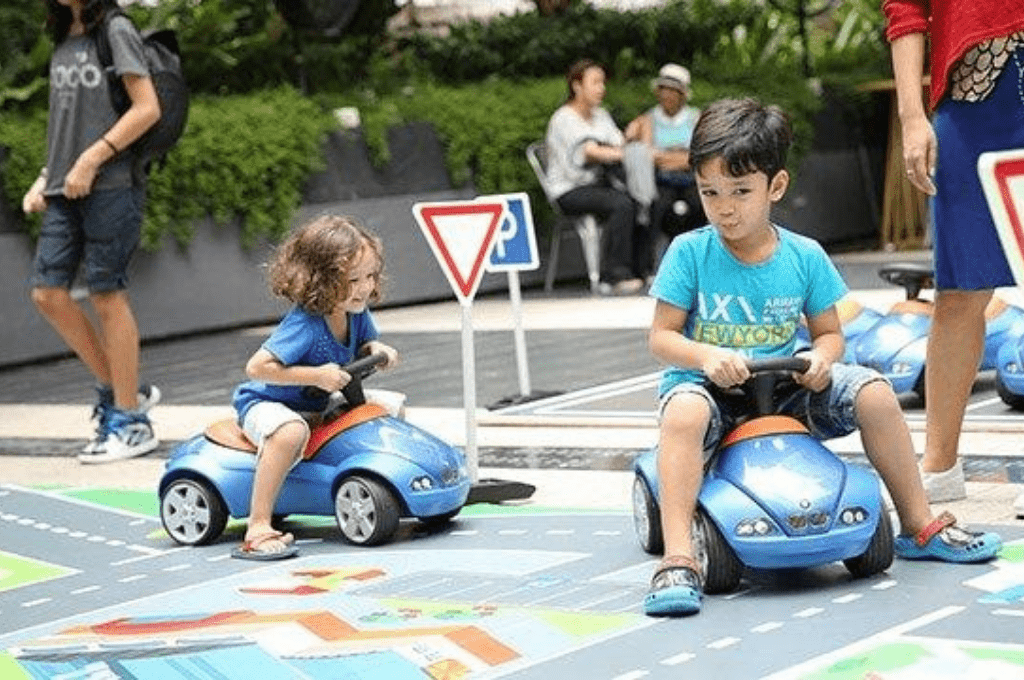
{"x": 242, "y": 159}
{"x": 246, "y": 158}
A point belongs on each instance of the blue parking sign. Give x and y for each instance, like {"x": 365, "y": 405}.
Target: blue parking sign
{"x": 515, "y": 246}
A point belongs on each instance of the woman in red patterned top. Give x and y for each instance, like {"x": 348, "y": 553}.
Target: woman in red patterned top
{"x": 977, "y": 95}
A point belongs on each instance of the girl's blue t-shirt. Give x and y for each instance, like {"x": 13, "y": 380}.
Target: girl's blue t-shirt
{"x": 751, "y": 308}
{"x": 304, "y": 339}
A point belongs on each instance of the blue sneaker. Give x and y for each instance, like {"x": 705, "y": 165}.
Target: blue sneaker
{"x": 148, "y": 397}
{"x": 125, "y": 434}
{"x": 943, "y": 540}
{"x": 676, "y": 588}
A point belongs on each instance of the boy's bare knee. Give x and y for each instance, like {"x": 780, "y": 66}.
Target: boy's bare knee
{"x": 877, "y": 398}
{"x": 289, "y": 437}
{"x": 686, "y": 415}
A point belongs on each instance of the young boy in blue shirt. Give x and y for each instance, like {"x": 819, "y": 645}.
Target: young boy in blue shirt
{"x": 736, "y": 289}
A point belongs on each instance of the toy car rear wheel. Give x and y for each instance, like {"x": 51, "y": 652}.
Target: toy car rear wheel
{"x": 878, "y": 557}
{"x": 1014, "y": 401}
{"x": 647, "y": 518}
{"x": 366, "y": 510}
{"x": 722, "y": 570}
{"x": 192, "y": 512}
{"x": 919, "y": 385}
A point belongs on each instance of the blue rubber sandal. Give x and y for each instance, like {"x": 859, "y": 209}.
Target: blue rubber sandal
{"x": 676, "y": 588}
{"x": 943, "y": 540}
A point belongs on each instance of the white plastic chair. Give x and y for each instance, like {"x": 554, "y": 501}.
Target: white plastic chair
{"x": 585, "y": 226}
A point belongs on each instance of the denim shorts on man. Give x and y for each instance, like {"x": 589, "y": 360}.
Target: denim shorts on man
{"x": 827, "y": 414}
{"x": 98, "y": 232}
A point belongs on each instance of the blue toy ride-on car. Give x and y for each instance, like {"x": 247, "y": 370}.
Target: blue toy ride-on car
{"x": 1010, "y": 373}
{"x": 362, "y": 465}
{"x": 896, "y": 344}
{"x": 773, "y": 497}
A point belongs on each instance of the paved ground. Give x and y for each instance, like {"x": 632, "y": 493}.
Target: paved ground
{"x": 549, "y": 585}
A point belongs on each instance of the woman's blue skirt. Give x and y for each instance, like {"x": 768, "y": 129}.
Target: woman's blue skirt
{"x": 968, "y": 255}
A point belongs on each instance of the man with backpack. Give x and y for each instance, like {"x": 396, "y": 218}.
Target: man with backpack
{"x": 92, "y": 193}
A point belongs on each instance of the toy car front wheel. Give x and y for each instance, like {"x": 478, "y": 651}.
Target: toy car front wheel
{"x": 878, "y": 557}
{"x": 192, "y": 512}
{"x": 366, "y": 510}
{"x": 722, "y": 570}
{"x": 646, "y": 518}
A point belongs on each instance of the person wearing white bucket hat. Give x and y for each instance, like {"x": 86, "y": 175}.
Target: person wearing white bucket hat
{"x": 667, "y": 128}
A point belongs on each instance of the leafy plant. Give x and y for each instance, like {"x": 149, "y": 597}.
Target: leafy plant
{"x": 242, "y": 159}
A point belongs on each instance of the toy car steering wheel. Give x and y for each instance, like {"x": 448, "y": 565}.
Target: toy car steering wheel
{"x": 765, "y": 375}
{"x": 352, "y": 394}
{"x": 910, "y": 276}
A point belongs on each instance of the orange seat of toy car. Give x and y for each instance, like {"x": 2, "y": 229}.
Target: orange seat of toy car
{"x": 764, "y": 426}
{"x": 229, "y": 434}
{"x": 919, "y": 307}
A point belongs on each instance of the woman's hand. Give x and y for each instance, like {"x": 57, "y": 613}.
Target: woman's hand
{"x": 920, "y": 148}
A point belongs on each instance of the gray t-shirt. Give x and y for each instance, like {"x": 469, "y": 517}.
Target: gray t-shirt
{"x": 567, "y": 132}
{"x": 80, "y": 108}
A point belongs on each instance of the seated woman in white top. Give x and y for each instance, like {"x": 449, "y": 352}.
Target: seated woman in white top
{"x": 583, "y": 145}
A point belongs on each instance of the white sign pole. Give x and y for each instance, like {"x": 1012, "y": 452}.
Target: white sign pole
{"x": 515, "y": 298}
{"x": 469, "y": 390}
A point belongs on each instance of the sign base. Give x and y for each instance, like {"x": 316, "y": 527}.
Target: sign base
{"x": 518, "y": 399}
{"x": 498, "y": 490}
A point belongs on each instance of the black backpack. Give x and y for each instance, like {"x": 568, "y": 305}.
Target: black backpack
{"x": 163, "y": 58}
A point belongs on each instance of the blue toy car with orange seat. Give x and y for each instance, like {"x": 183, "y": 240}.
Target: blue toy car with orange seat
{"x": 895, "y": 345}
{"x": 363, "y": 465}
{"x": 773, "y": 496}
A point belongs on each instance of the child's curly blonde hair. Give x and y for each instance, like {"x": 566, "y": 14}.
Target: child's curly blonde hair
{"x": 311, "y": 267}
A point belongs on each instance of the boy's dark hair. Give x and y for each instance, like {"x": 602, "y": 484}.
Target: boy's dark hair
{"x": 747, "y": 135}
{"x": 575, "y": 74}
{"x": 311, "y": 267}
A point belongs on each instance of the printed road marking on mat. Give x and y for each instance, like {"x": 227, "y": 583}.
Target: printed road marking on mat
{"x": 17, "y": 571}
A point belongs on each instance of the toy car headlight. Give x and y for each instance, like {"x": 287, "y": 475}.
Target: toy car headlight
{"x": 852, "y": 516}
{"x": 901, "y": 367}
{"x": 1012, "y": 367}
{"x": 758, "y": 526}
{"x": 423, "y": 483}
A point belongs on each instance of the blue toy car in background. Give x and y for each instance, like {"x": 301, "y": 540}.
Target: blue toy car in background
{"x": 362, "y": 465}
{"x": 896, "y": 345}
{"x": 855, "y": 318}
{"x": 1010, "y": 373}
{"x": 773, "y": 497}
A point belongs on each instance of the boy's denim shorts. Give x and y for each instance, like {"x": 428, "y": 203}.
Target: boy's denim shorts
{"x": 100, "y": 232}
{"x": 264, "y": 418}
{"x": 827, "y": 414}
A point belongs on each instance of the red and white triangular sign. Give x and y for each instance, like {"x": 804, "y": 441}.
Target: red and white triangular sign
{"x": 461, "y": 234}
{"x": 1002, "y": 178}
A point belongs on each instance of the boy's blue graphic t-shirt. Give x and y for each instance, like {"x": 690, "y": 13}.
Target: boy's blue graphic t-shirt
{"x": 751, "y": 308}
{"x": 304, "y": 339}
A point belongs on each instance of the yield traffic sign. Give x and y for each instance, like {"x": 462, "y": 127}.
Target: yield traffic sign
{"x": 1002, "y": 178}
{"x": 461, "y": 234}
